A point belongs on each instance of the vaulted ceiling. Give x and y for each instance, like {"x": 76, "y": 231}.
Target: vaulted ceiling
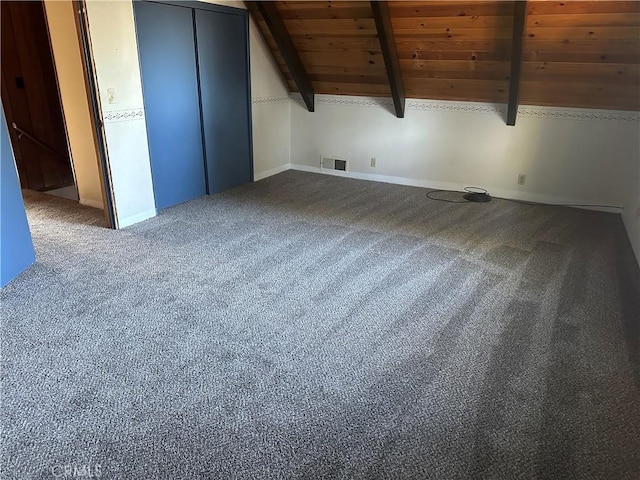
{"x": 573, "y": 53}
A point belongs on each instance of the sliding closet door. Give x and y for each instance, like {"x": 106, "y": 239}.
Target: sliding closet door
{"x": 224, "y": 86}
{"x": 170, "y": 88}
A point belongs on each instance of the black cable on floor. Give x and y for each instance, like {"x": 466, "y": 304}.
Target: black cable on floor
{"x": 523, "y": 202}
{"x": 444, "y": 199}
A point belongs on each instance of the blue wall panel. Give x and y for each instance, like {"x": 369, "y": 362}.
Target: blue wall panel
{"x": 16, "y": 247}
{"x": 226, "y": 107}
{"x": 167, "y": 51}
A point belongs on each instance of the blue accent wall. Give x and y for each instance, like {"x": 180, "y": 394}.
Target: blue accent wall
{"x": 16, "y": 247}
{"x": 194, "y": 61}
{"x": 166, "y": 46}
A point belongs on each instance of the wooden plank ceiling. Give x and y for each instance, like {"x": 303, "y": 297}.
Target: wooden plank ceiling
{"x": 574, "y": 53}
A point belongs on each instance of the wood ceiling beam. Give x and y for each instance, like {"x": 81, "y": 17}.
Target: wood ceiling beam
{"x": 390, "y": 54}
{"x": 288, "y": 50}
{"x": 519, "y": 17}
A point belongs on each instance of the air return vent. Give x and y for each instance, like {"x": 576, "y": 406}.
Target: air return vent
{"x": 327, "y": 163}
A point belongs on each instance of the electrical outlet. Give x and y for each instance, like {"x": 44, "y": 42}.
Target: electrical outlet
{"x": 111, "y": 95}
{"x": 373, "y": 161}
{"x": 522, "y": 179}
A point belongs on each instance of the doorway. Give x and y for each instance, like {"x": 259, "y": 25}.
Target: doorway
{"x": 31, "y": 101}
{"x": 32, "y": 98}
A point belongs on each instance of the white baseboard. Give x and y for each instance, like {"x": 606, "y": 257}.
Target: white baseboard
{"x": 271, "y": 172}
{"x": 495, "y": 192}
{"x": 137, "y": 218}
{"x": 91, "y": 203}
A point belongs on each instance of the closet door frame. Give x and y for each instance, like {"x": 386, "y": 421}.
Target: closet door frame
{"x": 244, "y": 14}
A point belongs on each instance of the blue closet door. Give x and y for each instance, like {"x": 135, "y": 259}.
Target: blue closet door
{"x": 166, "y": 45}
{"x": 224, "y": 88}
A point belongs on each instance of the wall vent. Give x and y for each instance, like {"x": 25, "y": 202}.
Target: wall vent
{"x": 327, "y": 163}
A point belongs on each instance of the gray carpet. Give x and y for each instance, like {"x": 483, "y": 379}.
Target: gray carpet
{"x": 310, "y": 326}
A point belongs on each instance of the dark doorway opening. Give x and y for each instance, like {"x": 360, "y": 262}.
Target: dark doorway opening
{"x": 31, "y": 100}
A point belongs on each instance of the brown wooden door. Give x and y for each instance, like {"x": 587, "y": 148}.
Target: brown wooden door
{"x": 30, "y": 98}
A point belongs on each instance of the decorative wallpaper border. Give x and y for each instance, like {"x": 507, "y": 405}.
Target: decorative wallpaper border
{"x": 123, "y": 115}
{"x": 578, "y": 113}
{"x": 462, "y": 107}
{"x": 478, "y": 108}
{"x": 358, "y": 101}
{"x": 423, "y": 105}
{"x": 269, "y": 100}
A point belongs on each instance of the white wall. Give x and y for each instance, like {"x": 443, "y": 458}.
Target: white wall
{"x": 452, "y": 144}
{"x": 75, "y": 103}
{"x": 271, "y": 110}
{"x": 115, "y": 52}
